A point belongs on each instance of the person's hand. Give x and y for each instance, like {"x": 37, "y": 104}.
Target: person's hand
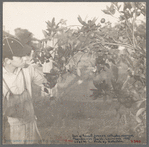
{"x": 29, "y": 61}
{"x": 50, "y": 85}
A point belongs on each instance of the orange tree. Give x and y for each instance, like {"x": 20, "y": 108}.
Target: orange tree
{"x": 125, "y": 46}
{"x": 131, "y": 90}
{"x": 120, "y": 49}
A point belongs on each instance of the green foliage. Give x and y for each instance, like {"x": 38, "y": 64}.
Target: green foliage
{"x": 132, "y": 36}
{"x": 120, "y": 49}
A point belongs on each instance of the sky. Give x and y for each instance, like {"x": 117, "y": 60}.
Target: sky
{"x": 33, "y": 15}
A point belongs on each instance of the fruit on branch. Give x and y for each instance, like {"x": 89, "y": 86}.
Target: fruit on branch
{"x": 102, "y": 20}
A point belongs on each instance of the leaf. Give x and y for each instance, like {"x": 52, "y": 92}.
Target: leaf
{"x": 60, "y": 51}
{"x": 125, "y": 40}
{"x": 108, "y": 8}
{"x": 139, "y": 112}
{"x": 112, "y": 9}
{"x": 106, "y": 12}
{"x": 135, "y": 95}
{"x": 127, "y": 104}
{"x": 119, "y": 7}
{"x": 111, "y": 60}
{"x": 113, "y": 82}
{"x": 107, "y": 65}
{"x": 115, "y": 3}
{"x": 127, "y": 5}
{"x": 96, "y": 84}
{"x": 94, "y": 20}
{"x": 63, "y": 22}
{"x": 49, "y": 24}
{"x": 132, "y": 4}
{"x": 138, "y": 119}
{"x": 115, "y": 72}
{"x": 44, "y": 33}
{"x": 140, "y": 102}
{"x": 138, "y": 78}
{"x": 53, "y": 21}
{"x": 122, "y": 17}
{"x": 78, "y": 72}
{"x": 81, "y": 21}
{"x": 130, "y": 61}
{"x": 96, "y": 94}
{"x": 49, "y": 48}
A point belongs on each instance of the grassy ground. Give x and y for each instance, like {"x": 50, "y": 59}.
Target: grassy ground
{"x": 76, "y": 113}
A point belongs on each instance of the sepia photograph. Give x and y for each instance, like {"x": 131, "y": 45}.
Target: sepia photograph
{"x": 74, "y": 73}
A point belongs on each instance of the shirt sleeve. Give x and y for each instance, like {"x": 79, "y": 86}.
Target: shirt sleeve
{"x": 37, "y": 76}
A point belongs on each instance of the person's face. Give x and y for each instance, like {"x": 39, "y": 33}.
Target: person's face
{"x": 19, "y": 61}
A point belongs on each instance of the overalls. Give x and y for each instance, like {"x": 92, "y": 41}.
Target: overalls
{"x": 19, "y": 111}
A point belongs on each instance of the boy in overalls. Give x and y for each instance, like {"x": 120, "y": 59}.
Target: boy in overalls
{"x": 17, "y": 95}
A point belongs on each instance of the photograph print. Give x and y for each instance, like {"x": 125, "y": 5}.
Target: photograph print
{"x": 74, "y": 73}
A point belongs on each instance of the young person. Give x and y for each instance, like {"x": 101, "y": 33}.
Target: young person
{"x": 19, "y": 121}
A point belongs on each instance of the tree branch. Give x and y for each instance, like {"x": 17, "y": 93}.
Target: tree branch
{"x": 133, "y": 23}
{"x": 80, "y": 59}
{"x": 124, "y": 84}
{"x": 128, "y": 36}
